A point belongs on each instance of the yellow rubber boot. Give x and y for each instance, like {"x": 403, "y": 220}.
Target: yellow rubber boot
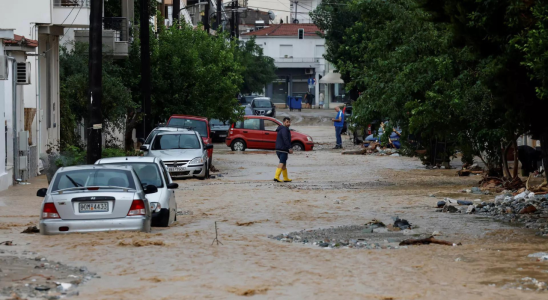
{"x": 278, "y": 173}
{"x": 286, "y": 178}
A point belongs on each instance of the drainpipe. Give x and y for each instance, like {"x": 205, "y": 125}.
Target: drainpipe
{"x": 14, "y": 121}
{"x": 38, "y": 100}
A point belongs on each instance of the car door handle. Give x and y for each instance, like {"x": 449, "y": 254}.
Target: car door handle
{"x": 245, "y": 131}
{"x": 266, "y": 133}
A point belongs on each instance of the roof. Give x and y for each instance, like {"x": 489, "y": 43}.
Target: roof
{"x": 285, "y": 30}
{"x": 19, "y": 40}
{"x": 87, "y": 167}
{"x": 176, "y": 132}
{"x": 124, "y": 159}
{"x": 187, "y": 117}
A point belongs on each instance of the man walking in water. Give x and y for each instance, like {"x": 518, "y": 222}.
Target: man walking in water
{"x": 283, "y": 149}
{"x": 339, "y": 124}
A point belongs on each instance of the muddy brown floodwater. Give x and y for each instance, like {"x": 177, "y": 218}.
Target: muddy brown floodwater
{"x": 180, "y": 262}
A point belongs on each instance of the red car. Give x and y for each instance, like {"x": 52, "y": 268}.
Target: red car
{"x": 258, "y": 132}
{"x": 198, "y": 124}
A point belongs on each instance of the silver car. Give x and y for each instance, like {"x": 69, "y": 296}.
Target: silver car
{"x": 152, "y": 171}
{"x": 95, "y": 198}
{"x": 146, "y": 143}
{"x": 183, "y": 153}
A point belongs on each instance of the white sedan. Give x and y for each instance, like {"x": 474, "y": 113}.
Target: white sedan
{"x": 152, "y": 171}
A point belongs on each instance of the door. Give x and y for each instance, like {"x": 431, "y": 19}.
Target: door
{"x": 252, "y": 133}
{"x": 270, "y": 134}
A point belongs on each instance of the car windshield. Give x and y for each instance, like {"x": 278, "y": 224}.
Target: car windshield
{"x": 148, "y": 172}
{"x": 93, "y": 177}
{"x": 196, "y": 125}
{"x": 216, "y": 122}
{"x": 176, "y": 141}
{"x": 262, "y": 103}
{"x": 248, "y": 99}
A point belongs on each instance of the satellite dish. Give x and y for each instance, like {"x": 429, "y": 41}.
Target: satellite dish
{"x": 271, "y": 15}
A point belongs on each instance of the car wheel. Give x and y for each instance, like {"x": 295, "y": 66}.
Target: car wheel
{"x": 206, "y": 175}
{"x": 238, "y": 145}
{"x": 296, "y": 146}
{"x": 163, "y": 219}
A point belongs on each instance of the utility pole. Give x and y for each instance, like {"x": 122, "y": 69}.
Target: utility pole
{"x": 219, "y": 16}
{"x": 145, "y": 66}
{"x": 232, "y": 21}
{"x": 206, "y": 21}
{"x": 176, "y": 10}
{"x": 296, "y": 20}
{"x": 237, "y": 19}
{"x": 95, "y": 81}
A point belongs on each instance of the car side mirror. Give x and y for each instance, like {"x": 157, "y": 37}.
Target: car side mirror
{"x": 150, "y": 189}
{"x": 172, "y": 185}
{"x": 209, "y": 146}
{"x": 42, "y": 192}
{"x": 144, "y": 148}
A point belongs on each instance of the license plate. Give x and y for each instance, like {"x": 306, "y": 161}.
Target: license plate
{"x": 222, "y": 135}
{"x": 178, "y": 169}
{"x": 94, "y": 207}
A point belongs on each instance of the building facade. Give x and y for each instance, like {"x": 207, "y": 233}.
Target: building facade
{"x": 297, "y": 51}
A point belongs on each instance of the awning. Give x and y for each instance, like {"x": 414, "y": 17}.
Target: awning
{"x": 332, "y": 78}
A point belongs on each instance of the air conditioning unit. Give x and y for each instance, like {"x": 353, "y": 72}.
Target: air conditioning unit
{"x": 309, "y": 71}
{"x": 23, "y": 73}
{"x": 3, "y": 67}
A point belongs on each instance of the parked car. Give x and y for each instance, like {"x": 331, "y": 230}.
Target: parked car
{"x": 153, "y": 133}
{"x": 152, "y": 171}
{"x": 258, "y": 132}
{"x": 199, "y": 124}
{"x": 183, "y": 152}
{"x": 95, "y": 198}
{"x": 246, "y": 100}
{"x": 262, "y": 106}
{"x": 219, "y": 130}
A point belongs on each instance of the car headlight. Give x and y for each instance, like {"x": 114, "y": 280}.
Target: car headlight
{"x": 269, "y": 112}
{"x": 197, "y": 161}
{"x": 155, "y": 206}
{"x": 309, "y": 138}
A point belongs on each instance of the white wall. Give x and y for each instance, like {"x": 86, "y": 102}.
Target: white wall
{"x": 304, "y": 51}
{"x": 304, "y": 7}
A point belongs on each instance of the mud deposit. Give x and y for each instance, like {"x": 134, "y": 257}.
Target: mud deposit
{"x": 328, "y": 190}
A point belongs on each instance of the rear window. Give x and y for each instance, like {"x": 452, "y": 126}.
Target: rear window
{"x": 254, "y": 124}
{"x": 148, "y": 172}
{"x": 196, "y": 125}
{"x": 176, "y": 141}
{"x": 93, "y": 177}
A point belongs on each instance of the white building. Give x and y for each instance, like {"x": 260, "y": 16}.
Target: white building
{"x": 300, "y": 10}
{"x": 298, "y": 51}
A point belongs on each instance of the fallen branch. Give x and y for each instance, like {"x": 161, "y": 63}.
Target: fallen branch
{"x": 430, "y": 240}
{"x": 47, "y": 277}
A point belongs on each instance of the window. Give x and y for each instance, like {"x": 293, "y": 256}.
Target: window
{"x": 196, "y": 125}
{"x": 286, "y": 51}
{"x": 93, "y": 177}
{"x": 176, "y": 141}
{"x": 254, "y": 124}
{"x": 319, "y": 51}
{"x": 301, "y": 33}
{"x": 147, "y": 172}
{"x": 270, "y": 125}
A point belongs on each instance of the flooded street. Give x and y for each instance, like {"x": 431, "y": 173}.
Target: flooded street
{"x": 328, "y": 190}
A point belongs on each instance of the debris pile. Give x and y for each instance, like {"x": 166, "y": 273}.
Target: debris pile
{"x": 523, "y": 207}
{"x": 374, "y": 148}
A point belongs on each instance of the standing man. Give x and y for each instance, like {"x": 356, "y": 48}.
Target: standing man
{"x": 339, "y": 123}
{"x": 283, "y": 149}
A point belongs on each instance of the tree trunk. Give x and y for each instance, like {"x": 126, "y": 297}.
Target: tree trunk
{"x": 131, "y": 122}
{"x": 505, "y": 169}
{"x": 544, "y": 149}
{"x": 516, "y": 161}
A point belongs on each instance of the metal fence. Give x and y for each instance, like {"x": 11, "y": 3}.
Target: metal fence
{"x": 71, "y": 3}
{"x": 118, "y": 24}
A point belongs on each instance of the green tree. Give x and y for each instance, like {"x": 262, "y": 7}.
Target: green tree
{"x": 257, "y": 69}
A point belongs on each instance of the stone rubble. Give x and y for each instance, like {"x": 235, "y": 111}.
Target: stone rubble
{"x": 525, "y": 208}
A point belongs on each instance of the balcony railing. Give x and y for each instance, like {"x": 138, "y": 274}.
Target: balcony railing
{"x": 291, "y": 59}
{"x": 119, "y": 25}
{"x": 71, "y": 3}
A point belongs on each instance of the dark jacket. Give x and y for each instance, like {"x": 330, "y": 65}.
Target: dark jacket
{"x": 283, "y": 140}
